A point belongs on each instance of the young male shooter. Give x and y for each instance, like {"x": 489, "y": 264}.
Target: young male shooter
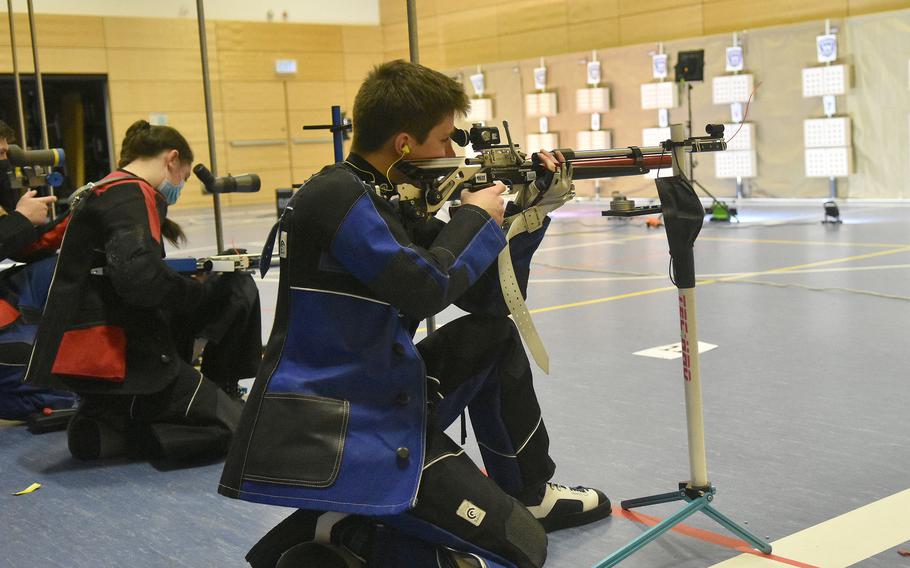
{"x": 347, "y": 414}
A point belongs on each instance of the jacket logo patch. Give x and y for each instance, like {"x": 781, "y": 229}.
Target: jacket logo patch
{"x": 471, "y": 513}
{"x": 283, "y": 244}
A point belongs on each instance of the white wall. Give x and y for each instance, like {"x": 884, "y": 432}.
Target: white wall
{"x": 360, "y": 12}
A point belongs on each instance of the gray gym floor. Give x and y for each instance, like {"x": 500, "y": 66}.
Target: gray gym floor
{"x": 806, "y": 399}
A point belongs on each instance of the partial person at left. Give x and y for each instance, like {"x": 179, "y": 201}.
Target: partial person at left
{"x": 23, "y": 291}
{"x": 120, "y": 323}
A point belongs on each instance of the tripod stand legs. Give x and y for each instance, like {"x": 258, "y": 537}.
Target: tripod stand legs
{"x": 658, "y": 529}
{"x": 702, "y": 503}
{"x": 739, "y": 531}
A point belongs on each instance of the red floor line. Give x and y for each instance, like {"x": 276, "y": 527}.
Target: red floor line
{"x": 707, "y": 536}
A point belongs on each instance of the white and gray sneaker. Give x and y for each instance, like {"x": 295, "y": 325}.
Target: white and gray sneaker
{"x": 559, "y": 507}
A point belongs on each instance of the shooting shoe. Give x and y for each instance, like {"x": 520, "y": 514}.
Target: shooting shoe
{"x": 559, "y": 507}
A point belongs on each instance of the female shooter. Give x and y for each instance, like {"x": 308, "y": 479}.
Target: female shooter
{"x": 117, "y": 317}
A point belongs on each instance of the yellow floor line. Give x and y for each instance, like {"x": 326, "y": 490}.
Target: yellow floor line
{"x": 844, "y": 540}
{"x": 714, "y": 281}
{"x": 602, "y": 300}
{"x": 727, "y": 279}
{"x": 818, "y": 263}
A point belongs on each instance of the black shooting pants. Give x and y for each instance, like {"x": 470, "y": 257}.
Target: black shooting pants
{"x": 189, "y": 419}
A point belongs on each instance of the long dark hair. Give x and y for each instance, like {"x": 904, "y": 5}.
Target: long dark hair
{"x": 144, "y": 140}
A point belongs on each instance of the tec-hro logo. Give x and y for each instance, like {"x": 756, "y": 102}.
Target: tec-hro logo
{"x": 471, "y": 513}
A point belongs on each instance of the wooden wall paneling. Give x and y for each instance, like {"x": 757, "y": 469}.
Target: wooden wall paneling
{"x": 85, "y": 60}
{"x": 357, "y": 65}
{"x": 54, "y": 30}
{"x": 447, "y": 7}
{"x": 157, "y": 33}
{"x": 72, "y": 60}
{"x": 260, "y": 65}
{"x": 251, "y": 159}
{"x": 528, "y": 15}
{"x": 158, "y": 65}
{"x": 856, "y": 7}
{"x": 313, "y": 156}
{"x": 661, "y": 26}
{"x": 157, "y": 96}
{"x": 462, "y": 26}
{"x": 433, "y": 57}
{"x": 392, "y": 11}
{"x": 252, "y": 95}
{"x": 255, "y": 125}
{"x": 395, "y": 36}
{"x": 536, "y": 43}
{"x": 315, "y": 95}
{"x": 629, "y": 7}
{"x": 278, "y": 36}
{"x": 733, "y": 15}
{"x": 428, "y": 30}
{"x": 362, "y": 39}
{"x": 596, "y": 34}
{"x": 473, "y": 52}
{"x": 582, "y": 11}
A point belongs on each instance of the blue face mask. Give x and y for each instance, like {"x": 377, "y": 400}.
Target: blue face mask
{"x": 170, "y": 191}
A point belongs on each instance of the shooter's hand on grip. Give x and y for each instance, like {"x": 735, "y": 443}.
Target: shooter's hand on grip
{"x": 555, "y": 182}
{"x": 34, "y": 208}
{"x": 489, "y": 199}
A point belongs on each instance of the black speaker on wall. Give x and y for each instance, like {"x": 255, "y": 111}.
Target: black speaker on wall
{"x": 690, "y": 65}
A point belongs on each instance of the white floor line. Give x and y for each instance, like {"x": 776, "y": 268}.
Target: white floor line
{"x": 841, "y": 541}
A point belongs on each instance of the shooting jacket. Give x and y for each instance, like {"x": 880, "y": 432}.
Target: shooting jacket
{"x": 110, "y": 333}
{"x": 337, "y": 416}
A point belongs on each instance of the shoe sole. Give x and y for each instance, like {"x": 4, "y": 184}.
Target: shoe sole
{"x": 602, "y": 511}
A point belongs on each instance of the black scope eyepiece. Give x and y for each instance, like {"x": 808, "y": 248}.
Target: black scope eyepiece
{"x": 50, "y": 158}
{"x": 244, "y": 183}
{"x": 715, "y": 130}
{"x": 460, "y": 137}
{"x": 480, "y": 137}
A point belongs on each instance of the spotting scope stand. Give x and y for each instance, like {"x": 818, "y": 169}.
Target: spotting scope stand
{"x": 683, "y": 219}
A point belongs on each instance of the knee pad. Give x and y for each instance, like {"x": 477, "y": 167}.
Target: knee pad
{"x": 313, "y": 555}
{"x": 527, "y": 535}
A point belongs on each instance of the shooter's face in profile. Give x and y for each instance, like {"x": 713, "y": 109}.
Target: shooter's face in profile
{"x": 4, "y": 149}
{"x": 438, "y": 143}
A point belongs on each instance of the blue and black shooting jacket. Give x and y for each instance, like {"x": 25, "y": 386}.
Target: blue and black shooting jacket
{"x": 337, "y": 417}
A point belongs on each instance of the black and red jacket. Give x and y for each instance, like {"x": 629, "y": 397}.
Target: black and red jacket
{"x": 110, "y": 333}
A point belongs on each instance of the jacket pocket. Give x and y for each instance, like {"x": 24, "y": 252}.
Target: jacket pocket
{"x": 298, "y": 440}
{"x": 96, "y": 352}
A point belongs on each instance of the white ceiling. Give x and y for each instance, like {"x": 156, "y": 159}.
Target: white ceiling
{"x": 359, "y": 12}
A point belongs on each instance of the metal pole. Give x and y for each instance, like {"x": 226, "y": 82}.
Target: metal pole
{"x": 337, "y": 133}
{"x": 40, "y": 84}
{"x": 38, "y": 81}
{"x": 23, "y": 139}
{"x": 695, "y": 424}
{"x": 207, "y": 90}
{"x": 412, "y": 31}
